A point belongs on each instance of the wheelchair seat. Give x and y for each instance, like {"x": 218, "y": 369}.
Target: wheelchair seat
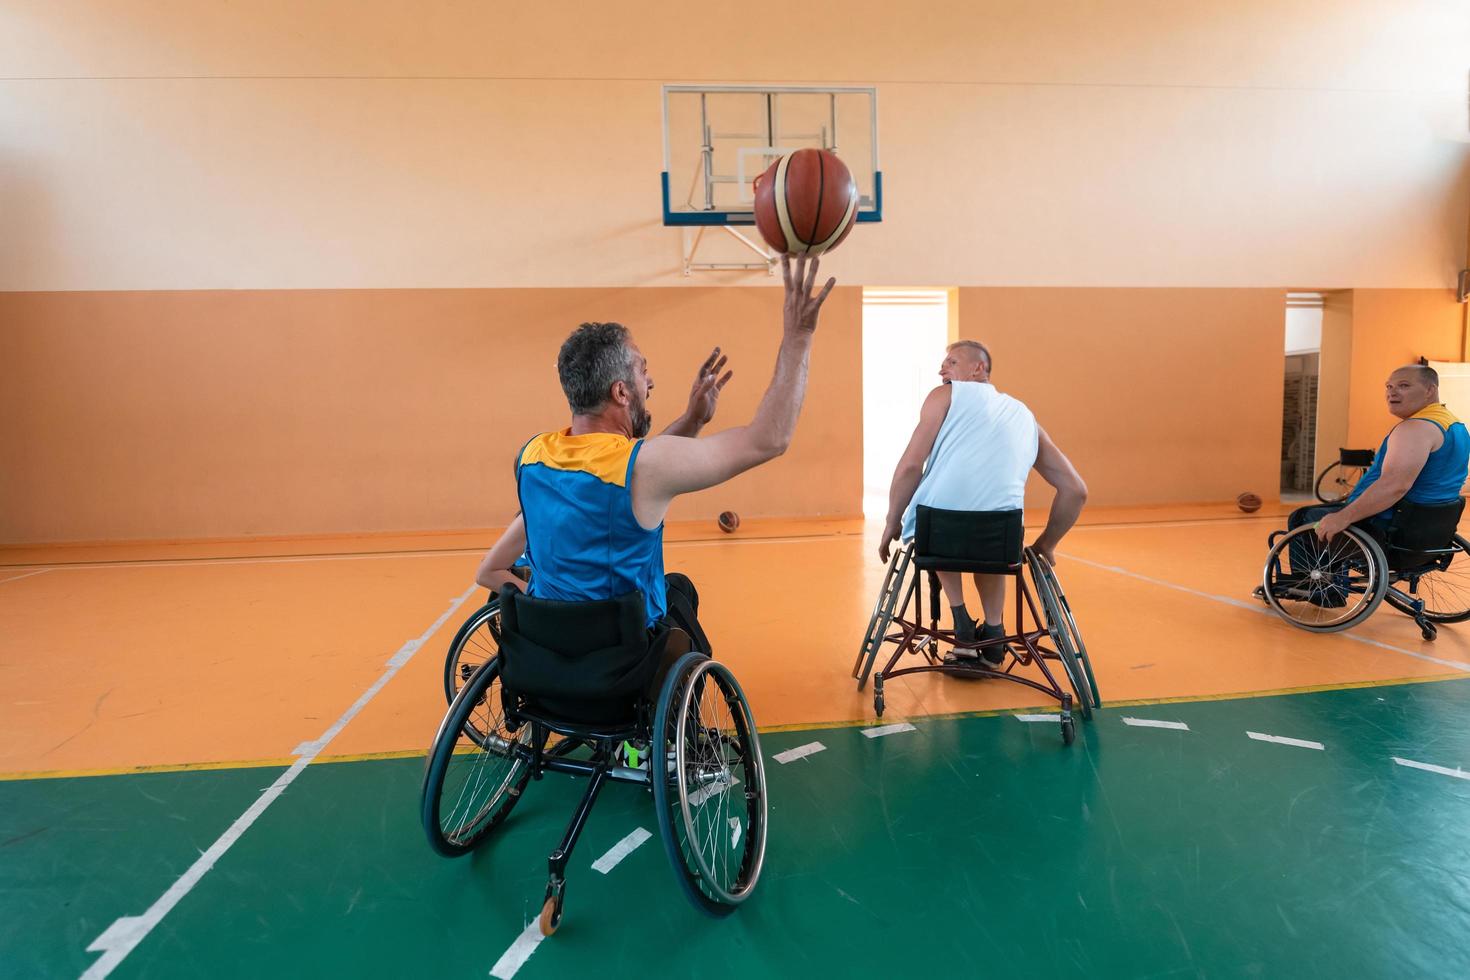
{"x": 1420, "y": 535}
{"x": 986, "y": 541}
{"x": 579, "y": 663}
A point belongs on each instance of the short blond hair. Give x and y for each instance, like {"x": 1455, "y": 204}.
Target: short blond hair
{"x": 980, "y": 350}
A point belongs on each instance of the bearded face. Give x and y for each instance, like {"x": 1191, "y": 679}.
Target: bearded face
{"x": 640, "y": 417}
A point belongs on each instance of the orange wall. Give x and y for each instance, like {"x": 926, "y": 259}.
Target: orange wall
{"x": 1157, "y": 395}
{"x": 1391, "y": 328}
{"x": 144, "y": 415}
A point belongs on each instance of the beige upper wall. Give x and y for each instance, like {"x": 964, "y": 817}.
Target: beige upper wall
{"x": 334, "y": 144}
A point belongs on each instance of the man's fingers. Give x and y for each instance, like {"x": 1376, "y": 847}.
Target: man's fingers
{"x": 709, "y": 362}
{"x": 725, "y": 380}
{"x": 786, "y": 269}
{"x": 822, "y": 296}
{"x": 716, "y": 368}
{"x": 811, "y": 276}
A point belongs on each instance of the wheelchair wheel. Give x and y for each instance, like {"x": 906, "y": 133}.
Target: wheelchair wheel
{"x": 1070, "y": 622}
{"x": 883, "y": 610}
{"x": 1325, "y": 587}
{"x": 1446, "y": 589}
{"x": 476, "y": 768}
{"x": 477, "y": 641}
{"x": 709, "y": 784}
{"x": 1337, "y": 481}
{"x": 1062, "y": 632}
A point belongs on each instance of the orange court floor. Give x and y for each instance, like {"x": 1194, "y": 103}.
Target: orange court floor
{"x": 127, "y": 657}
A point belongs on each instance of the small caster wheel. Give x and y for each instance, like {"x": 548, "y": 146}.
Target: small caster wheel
{"x": 1429, "y": 631}
{"x": 551, "y": 908}
{"x": 1069, "y": 731}
{"x": 878, "y": 696}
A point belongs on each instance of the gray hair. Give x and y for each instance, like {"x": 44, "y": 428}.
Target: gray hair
{"x": 594, "y": 357}
{"x": 1423, "y": 373}
{"x": 981, "y": 351}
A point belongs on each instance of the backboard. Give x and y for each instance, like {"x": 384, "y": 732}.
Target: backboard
{"x": 717, "y": 140}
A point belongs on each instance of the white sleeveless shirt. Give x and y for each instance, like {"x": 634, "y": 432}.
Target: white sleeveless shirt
{"x": 981, "y": 458}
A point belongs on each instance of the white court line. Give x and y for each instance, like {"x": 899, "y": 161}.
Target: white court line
{"x": 800, "y": 752}
{"x": 620, "y": 850}
{"x": 514, "y": 958}
{"x": 1258, "y": 607}
{"x": 882, "y": 730}
{"x": 123, "y": 936}
{"x": 17, "y": 578}
{"x": 280, "y": 560}
{"x": 1152, "y": 723}
{"x": 1054, "y": 719}
{"x": 1457, "y": 773}
{"x": 1300, "y": 743}
{"x": 715, "y": 788}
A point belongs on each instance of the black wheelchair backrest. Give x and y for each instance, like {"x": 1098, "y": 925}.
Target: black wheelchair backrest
{"x": 1361, "y": 458}
{"x": 597, "y": 650}
{"x": 967, "y": 540}
{"x": 1424, "y": 527}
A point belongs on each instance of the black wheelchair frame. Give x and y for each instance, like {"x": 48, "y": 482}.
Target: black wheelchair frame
{"x": 504, "y": 740}
{"x": 1338, "y": 479}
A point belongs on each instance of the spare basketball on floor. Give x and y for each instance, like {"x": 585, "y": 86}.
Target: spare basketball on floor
{"x": 1248, "y": 502}
{"x": 806, "y": 202}
{"x": 729, "y": 521}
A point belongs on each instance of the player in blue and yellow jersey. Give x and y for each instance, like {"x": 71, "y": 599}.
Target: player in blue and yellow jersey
{"x": 1424, "y": 459}
{"x": 593, "y": 495}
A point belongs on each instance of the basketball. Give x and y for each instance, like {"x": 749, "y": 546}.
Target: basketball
{"x": 1248, "y": 502}
{"x": 729, "y": 521}
{"x": 806, "y": 202}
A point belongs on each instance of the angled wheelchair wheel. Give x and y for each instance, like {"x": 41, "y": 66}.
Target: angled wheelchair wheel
{"x": 1325, "y": 587}
{"x": 1069, "y": 622}
{"x": 883, "y": 612}
{"x": 476, "y": 769}
{"x": 1445, "y": 589}
{"x": 1063, "y": 633}
{"x": 477, "y": 641}
{"x": 1337, "y": 481}
{"x": 709, "y": 786}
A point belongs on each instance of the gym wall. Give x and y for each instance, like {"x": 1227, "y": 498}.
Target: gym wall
{"x": 279, "y": 268}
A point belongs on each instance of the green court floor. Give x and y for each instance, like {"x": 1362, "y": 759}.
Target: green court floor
{"x": 971, "y": 846}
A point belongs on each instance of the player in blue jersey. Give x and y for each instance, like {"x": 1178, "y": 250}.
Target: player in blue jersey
{"x": 594, "y": 495}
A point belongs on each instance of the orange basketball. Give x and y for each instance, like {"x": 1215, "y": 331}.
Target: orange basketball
{"x": 729, "y": 521}
{"x": 1248, "y": 502}
{"x": 806, "y": 202}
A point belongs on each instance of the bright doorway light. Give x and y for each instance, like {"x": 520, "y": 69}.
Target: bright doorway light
{"x": 904, "y": 335}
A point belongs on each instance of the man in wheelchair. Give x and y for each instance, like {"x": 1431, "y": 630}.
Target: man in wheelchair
{"x": 602, "y": 651}
{"x": 1403, "y": 514}
{"x": 972, "y": 451}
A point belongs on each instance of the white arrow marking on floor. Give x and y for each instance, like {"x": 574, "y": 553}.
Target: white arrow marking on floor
{"x": 1152, "y": 723}
{"x": 800, "y": 752}
{"x": 1457, "y": 773}
{"x": 620, "y": 850}
{"x": 882, "y": 730}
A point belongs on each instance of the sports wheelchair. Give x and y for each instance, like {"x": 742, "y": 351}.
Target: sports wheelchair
{"x": 1337, "y": 480}
{"x": 988, "y": 542}
{"x": 1420, "y": 566}
{"x": 564, "y": 687}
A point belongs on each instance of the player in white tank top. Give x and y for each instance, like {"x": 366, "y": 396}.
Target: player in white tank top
{"x": 973, "y": 449}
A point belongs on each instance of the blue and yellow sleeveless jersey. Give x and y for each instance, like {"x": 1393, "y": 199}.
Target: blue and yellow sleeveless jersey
{"x": 1445, "y": 470}
{"x": 581, "y": 535}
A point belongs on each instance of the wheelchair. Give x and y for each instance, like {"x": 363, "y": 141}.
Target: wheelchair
{"x": 1420, "y": 566}
{"x": 988, "y": 542}
{"x": 1338, "y": 479}
{"x": 566, "y": 690}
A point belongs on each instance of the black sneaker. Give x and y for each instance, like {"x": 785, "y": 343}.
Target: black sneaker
{"x": 993, "y": 656}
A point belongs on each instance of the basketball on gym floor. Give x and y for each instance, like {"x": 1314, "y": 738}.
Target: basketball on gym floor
{"x": 729, "y": 521}
{"x": 806, "y": 202}
{"x": 1248, "y": 502}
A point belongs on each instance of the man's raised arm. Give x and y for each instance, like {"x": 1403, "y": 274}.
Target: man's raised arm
{"x": 670, "y": 465}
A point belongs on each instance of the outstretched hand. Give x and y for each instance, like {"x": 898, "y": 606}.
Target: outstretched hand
{"x": 801, "y": 309}
{"x": 704, "y": 395}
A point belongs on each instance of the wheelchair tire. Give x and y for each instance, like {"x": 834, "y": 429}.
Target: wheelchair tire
{"x": 1070, "y": 622}
{"x": 883, "y": 610}
{"x": 1353, "y": 569}
{"x": 479, "y": 777}
{"x": 477, "y": 641}
{"x": 1061, "y": 635}
{"x": 1447, "y": 598}
{"x": 1337, "y": 481}
{"x": 709, "y": 782}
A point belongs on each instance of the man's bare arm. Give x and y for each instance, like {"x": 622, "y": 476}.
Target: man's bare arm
{"x": 495, "y": 570}
{"x": 670, "y": 465}
{"x": 1055, "y": 468}
{"x": 1409, "y": 446}
{"x": 910, "y": 468}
